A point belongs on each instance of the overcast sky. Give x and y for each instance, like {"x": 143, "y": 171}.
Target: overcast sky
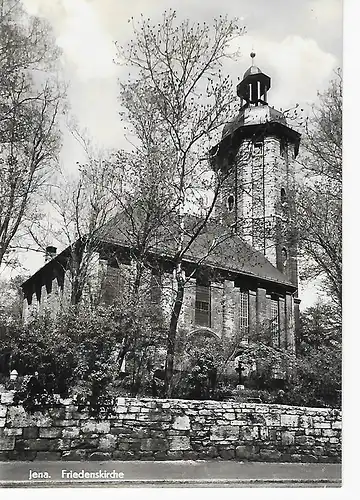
{"x": 298, "y": 44}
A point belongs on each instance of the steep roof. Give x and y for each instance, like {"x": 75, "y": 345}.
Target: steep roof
{"x": 215, "y": 246}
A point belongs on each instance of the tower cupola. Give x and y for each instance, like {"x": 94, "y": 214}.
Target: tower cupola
{"x": 254, "y": 86}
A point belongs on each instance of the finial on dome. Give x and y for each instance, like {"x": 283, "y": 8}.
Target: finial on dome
{"x": 252, "y": 55}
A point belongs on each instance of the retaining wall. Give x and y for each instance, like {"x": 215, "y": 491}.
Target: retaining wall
{"x": 162, "y": 429}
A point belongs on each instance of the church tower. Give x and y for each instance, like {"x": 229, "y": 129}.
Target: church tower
{"x": 256, "y": 158}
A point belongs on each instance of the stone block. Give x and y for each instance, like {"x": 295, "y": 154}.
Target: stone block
{"x": 305, "y": 421}
{"x": 245, "y": 452}
{"x": 287, "y": 438}
{"x": 227, "y": 453}
{"x": 289, "y": 420}
{"x": 161, "y": 455}
{"x": 221, "y": 433}
{"x": 180, "y": 443}
{"x": 57, "y": 413}
{"x": 263, "y": 433}
{"x": 305, "y": 440}
{"x": 2, "y": 422}
{"x": 31, "y": 432}
{"x": 70, "y": 432}
{"x": 181, "y": 423}
{"x": 248, "y": 433}
{"x": 42, "y": 444}
{"x": 174, "y": 454}
{"x": 239, "y": 422}
{"x": 22, "y": 455}
{"x": 7, "y": 443}
{"x": 270, "y": 455}
{"x": 190, "y": 455}
{"x": 50, "y": 432}
{"x": 12, "y": 431}
{"x": 48, "y": 455}
{"x": 7, "y": 397}
{"x": 130, "y": 417}
{"x": 122, "y": 409}
{"x": 328, "y": 432}
{"x": 97, "y": 455}
{"x": 124, "y": 446}
{"x": 121, "y": 455}
{"x": 322, "y": 425}
{"x": 154, "y": 444}
{"x": 229, "y": 416}
{"x": 17, "y": 417}
{"x": 64, "y": 444}
{"x": 98, "y": 427}
{"x": 336, "y": 425}
{"x": 64, "y": 423}
{"x": 84, "y": 443}
{"x": 207, "y": 452}
{"x": 272, "y": 420}
{"x": 73, "y": 455}
{"x": 3, "y": 410}
{"x": 107, "y": 442}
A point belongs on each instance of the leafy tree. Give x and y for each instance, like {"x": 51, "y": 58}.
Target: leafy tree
{"x": 29, "y": 107}
{"x": 81, "y": 352}
{"x": 175, "y": 104}
{"x": 319, "y": 198}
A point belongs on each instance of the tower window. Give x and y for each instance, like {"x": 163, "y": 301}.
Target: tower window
{"x": 244, "y": 313}
{"x": 283, "y": 147}
{"x": 202, "y": 306}
{"x": 284, "y": 255}
{"x": 275, "y": 323}
{"x": 230, "y": 203}
{"x": 283, "y": 196}
{"x": 258, "y": 148}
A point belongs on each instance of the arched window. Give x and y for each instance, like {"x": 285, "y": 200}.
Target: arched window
{"x": 283, "y": 196}
{"x": 230, "y": 203}
{"x": 283, "y": 147}
{"x": 284, "y": 255}
{"x": 258, "y": 148}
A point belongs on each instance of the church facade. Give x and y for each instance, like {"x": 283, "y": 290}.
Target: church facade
{"x": 248, "y": 284}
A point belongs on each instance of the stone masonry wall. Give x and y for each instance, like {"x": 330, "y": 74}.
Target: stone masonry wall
{"x": 162, "y": 429}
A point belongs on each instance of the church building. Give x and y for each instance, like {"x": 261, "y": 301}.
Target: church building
{"x": 249, "y": 282}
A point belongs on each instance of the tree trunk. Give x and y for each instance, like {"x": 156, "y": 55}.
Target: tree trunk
{"x": 169, "y": 366}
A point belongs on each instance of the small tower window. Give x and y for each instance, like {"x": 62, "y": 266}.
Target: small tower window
{"x": 230, "y": 203}
{"x": 258, "y": 148}
{"x": 202, "y": 305}
{"x": 283, "y": 147}
{"x": 284, "y": 256}
{"x": 283, "y": 196}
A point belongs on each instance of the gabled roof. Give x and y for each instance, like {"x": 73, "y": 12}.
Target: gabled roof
{"x": 215, "y": 246}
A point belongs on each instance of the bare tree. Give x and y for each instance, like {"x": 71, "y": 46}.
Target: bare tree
{"x": 83, "y": 206}
{"x": 320, "y": 194}
{"x": 29, "y": 106}
{"x": 175, "y": 104}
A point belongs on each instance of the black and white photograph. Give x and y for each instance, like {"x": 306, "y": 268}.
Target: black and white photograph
{"x": 171, "y": 188}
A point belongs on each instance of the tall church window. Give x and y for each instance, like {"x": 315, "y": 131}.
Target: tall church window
{"x": 244, "y": 312}
{"x": 202, "y": 305}
{"x": 258, "y": 148}
{"x": 275, "y": 322}
{"x": 283, "y": 147}
{"x": 283, "y": 196}
{"x": 230, "y": 203}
